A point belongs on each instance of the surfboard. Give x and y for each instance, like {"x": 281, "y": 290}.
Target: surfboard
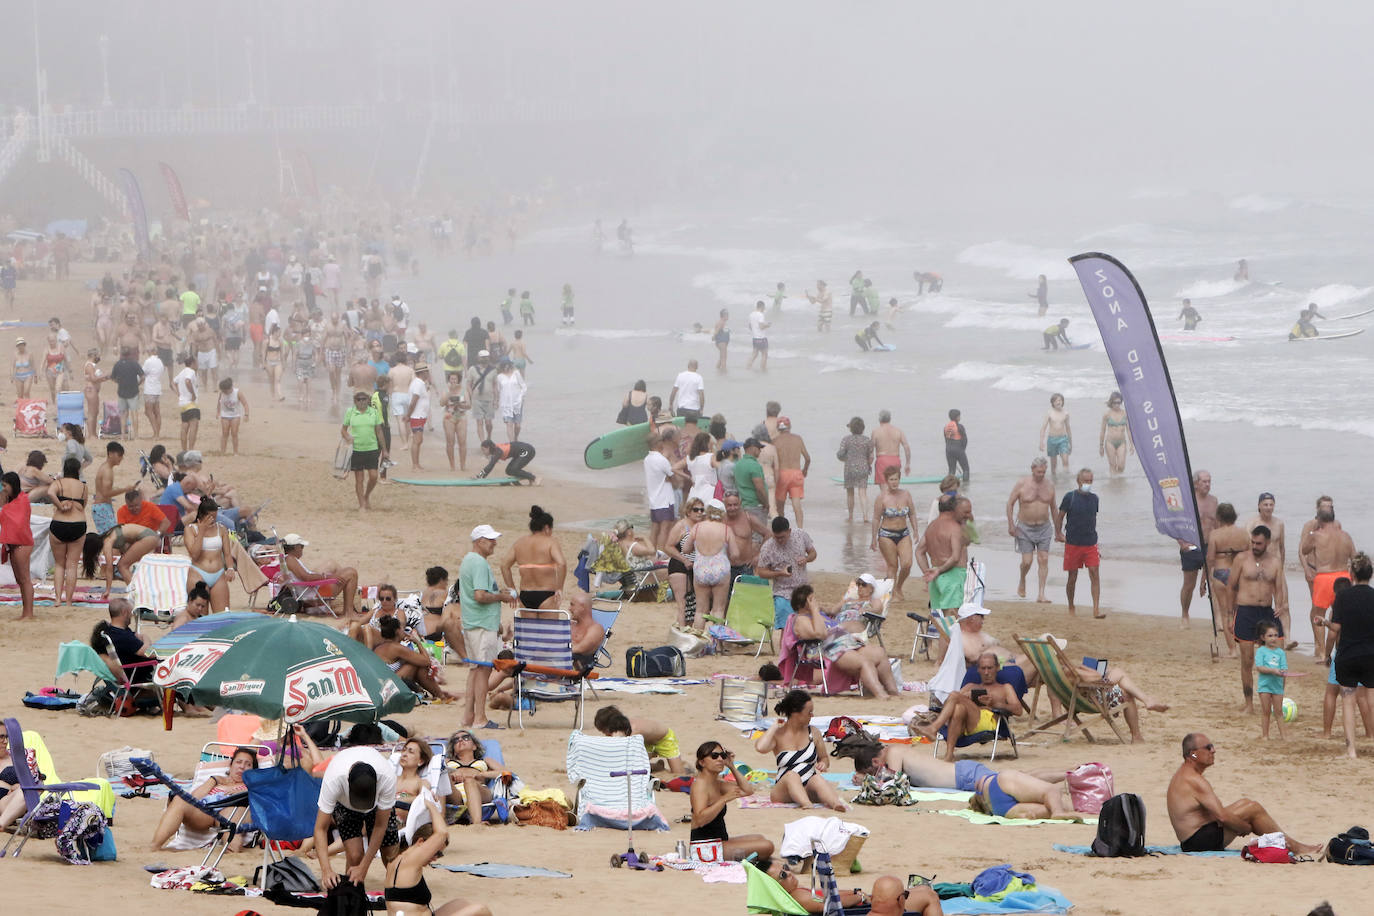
{"x": 1078, "y": 346}
{"x": 884, "y": 348}
{"x": 459, "y": 482}
{"x": 905, "y": 480}
{"x": 1355, "y": 315}
{"x": 625, "y": 445}
{"x": 1336, "y": 336}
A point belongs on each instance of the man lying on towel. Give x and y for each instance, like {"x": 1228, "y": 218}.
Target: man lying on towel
{"x": 922, "y": 770}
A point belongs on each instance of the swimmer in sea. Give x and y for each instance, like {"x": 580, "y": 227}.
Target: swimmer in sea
{"x": 778, "y": 295}
{"x": 1056, "y": 334}
{"x": 1224, "y": 544}
{"x": 1242, "y": 271}
{"x": 868, "y": 337}
{"x": 1042, "y": 295}
{"x": 1305, "y": 327}
{"x": 824, "y": 299}
{"x": 925, "y": 278}
{"x": 1189, "y": 316}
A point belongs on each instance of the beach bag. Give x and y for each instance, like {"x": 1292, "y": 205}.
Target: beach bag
{"x": 689, "y": 644}
{"x": 709, "y": 852}
{"x": 894, "y": 790}
{"x": 102, "y": 850}
{"x": 284, "y": 604}
{"x": 665, "y": 661}
{"x": 291, "y": 874}
{"x": 1120, "y": 827}
{"x": 1090, "y": 785}
{"x": 115, "y": 764}
{"x": 842, "y": 727}
{"x": 1271, "y": 847}
{"x": 1351, "y": 848}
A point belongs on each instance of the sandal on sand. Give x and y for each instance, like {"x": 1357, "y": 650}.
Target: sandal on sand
{"x": 490, "y": 724}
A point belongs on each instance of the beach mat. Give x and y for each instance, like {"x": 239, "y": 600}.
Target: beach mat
{"x": 1041, "y": 900}
{"x": 501, "y": 870}
{"x": 969, "y": 814}
{"x": 1154, "y": 851}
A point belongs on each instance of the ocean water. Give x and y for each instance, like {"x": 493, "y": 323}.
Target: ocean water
{"x": 1260, "y": 413}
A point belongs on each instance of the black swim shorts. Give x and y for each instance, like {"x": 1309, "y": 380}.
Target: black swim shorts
{"x": 1350, "y": 672}
{"x": 354, "y": 824}
{"x": 364, "y": 461}
{"x": 1248, "y": 619}
{"x": 191, "y": 413}
{"x": 1209, "y": 838}
{"x": 1194, "y": 559}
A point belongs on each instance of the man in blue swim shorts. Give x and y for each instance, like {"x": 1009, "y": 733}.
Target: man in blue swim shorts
{"x": 1031, "y": 524}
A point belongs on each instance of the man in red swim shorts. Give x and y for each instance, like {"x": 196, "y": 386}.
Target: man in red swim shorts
{"x": 1327, "y": 549}
{"x": 794, "y": 462}
{"x": 1075, "y": 524}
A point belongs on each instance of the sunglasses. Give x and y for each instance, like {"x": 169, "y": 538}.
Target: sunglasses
{"x": 719, "y": 755}
{"x": 386, "y": 598}
{"x": 695, "y": 509}
{"x": 464, "y": 737}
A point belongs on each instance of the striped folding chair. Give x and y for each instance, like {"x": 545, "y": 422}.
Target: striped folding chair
{"x": 158, "y": 587}
{"x": 825, "y": 876}
{"x": 1078, "y": 696}
{"x": 545, "y": 641}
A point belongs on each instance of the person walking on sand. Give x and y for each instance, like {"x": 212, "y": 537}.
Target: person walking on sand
{"x": 417, "y": 411}
{"x": 1226, "y": 543}
{"x": 1056, "y": 436}
{"x": 758, "y": 335}
{"x": 1029, "y": 521}
{"x": 792, "y": 471}
{"x": 1075, "y": 525}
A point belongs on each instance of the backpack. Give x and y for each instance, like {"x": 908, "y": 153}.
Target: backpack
{"x": 841, "y": 727}
{"x": 453, "y": 359}
{"x": 665, "y": 661}
{"x": 398, "y": 311}
{"x": 1121, "y": 827}
{"x": 1351, "y": 848}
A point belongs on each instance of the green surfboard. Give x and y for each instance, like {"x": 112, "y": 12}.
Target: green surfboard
{"x": 625, "y": 445}
{"x": 458, "y": 482}
{"x": 907, "y": 481}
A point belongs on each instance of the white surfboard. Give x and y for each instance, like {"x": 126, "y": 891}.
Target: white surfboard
{"x": 1333, "y": 336}
{"x": 1355, "y": 315}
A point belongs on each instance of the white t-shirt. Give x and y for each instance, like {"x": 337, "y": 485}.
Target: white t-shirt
{"x": 334, "y": 789}
{"x": 757, "y": 320}
{"x": 657, "y": 471}
{"x": 418, "y": 389}
{"x": 153, "y": 370}
{"x": 689, "y": 385}
{"x": 271, "y": 320}
{"x": 183, "y": 384}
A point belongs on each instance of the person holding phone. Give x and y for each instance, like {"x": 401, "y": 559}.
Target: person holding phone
{"x": 711, "y": 795}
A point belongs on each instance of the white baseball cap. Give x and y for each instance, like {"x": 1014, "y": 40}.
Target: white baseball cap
{"x": 295, "y": 540}
{"x": 867, "y": 579}
{"x": 485, "y": 532}
{"x": 972, "y": 610}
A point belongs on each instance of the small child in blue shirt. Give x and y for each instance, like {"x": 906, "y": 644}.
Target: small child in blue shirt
{"x": 1271, "y": 666}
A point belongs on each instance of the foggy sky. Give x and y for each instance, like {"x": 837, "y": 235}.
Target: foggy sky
{"x": 1224, "y": 96}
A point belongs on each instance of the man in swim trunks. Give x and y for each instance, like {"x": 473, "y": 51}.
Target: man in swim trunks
{"x": 1200, "y": 821}
{"x": 1226, "y": 543}
{"x": 103, "y": 516}
{"x": 794, "y": 462}
{"x": 1056, "y": 435}
{"x": 1327, "y": 549}
{"x": 889, "y": 444}
{"x": 1028, "y": 521}
{"x": 745, "y": 526}
{"x": 942, "y": 556}
{"x": 1257, "y": 586}
{"x": 659, "y": 740}
{"x": 1193, "y": 557}
{"x": 1075, "y": 524}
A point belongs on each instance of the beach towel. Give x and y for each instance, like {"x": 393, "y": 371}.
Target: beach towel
{"x": 500, "y": 870}
{"x": 828, "y": 834}
{"x": 754, "y": 801}
{"x": 969, "y": 814}
{"x": 1153, "y": 850}
{"x": 1041, "y": 900}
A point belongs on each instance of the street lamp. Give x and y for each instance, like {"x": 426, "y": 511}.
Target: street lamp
{"x": 105, "y": 99}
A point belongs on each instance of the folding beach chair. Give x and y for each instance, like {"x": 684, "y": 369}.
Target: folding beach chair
{"x": 158, "y": 587}
{"x": 71, "y": 408}
{"x": 930, "y": 629}
{"x": 290, "y": 595}
{"x": 75, "y": 657}
{"x": 742, "y": 702}
{"x": 750, "y": 614}
{"x": 30, "y": 417}
{"x": 35, "y": 788}
{"x": 800, "y": 658}
{"x": 605, "y": 612}
{"x": 994, "y": 736}
{"x": 1078, "y": 696}
{"x": 546, "y": 641}
{"x": 125, "y": 685}
{"x": 601, "y": 798}
{"x": 227, "y": 825}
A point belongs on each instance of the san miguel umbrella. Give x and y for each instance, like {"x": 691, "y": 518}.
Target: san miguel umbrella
{"x": 287, "y": 669}
{"x": 200, "y": 626}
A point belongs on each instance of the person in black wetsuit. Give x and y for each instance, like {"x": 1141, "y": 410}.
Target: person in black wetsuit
{"x": 711, "y": 795}
{"x": 406, "y": 891}
{"x": 516, "y": 455}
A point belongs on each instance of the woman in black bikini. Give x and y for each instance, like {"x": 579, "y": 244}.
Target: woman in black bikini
{"x": 711, "y": 795}
{"x": 130, "y": 541}
{"x": 542, "y": 567}
{"x": 67, "y": 530}
{"x": 894, "y": 528}
{"x": 679, "y": 563}
{"x": 406, "y": 892}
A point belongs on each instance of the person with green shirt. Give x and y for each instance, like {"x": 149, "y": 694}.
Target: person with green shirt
{"x": 526, "y": 308}
{"x": 362, "y": 428}
{"x": 856, "y": 293}
{"x": 870, "y": 297}
{"x": 779, "y": 295}
{"x": 190, "y": 304}
{"x": 480, "y": 599}
{"x": 749, "y": 479}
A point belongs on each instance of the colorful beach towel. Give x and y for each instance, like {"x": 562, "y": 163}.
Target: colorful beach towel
{"x": 501, "y": 870}
{"x": 969, "y": 814}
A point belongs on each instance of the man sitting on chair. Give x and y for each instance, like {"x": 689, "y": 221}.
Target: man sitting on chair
{"x": 587, "y": 634}
{"x": 293, "y": 546}
{"x": 970, "y": 710}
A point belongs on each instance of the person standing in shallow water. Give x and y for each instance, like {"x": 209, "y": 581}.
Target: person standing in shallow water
{"x": 1042, "y": 296}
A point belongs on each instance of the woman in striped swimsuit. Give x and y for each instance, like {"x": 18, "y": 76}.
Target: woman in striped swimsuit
{"x": 800, "y": 755}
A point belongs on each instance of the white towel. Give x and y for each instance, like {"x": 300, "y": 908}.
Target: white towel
{"x": 951, "y": 674}
{"x": 830, "y": 832}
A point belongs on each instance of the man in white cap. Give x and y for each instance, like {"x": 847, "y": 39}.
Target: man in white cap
{"x": 293, "y": 546}
{"x": 357, "y": 798}
{"x": 417, "y": 411}
{"x": 481, "y": 380}
{"x": 480, "y": 599}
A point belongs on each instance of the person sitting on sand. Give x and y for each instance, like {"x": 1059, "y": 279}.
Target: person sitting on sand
{"x": 587, "y": 634}
{"x": 841, "y": 637}
{"x": 800, "y": 754}
{"x": 197, "y": 605}
{"x": 407, "y": 893}
{"x": 468, "y": 770}
{"x": 973, "y": 708}
{"x": 659, "y": 740}
{"x": 918, "y": 900}
{"x": 1200, "y": 821}
{"x": 293, "y": 547}
{"x": 179, "y": 812}
{"x": 410, "y": 664}
{"x": 711, "y": 794}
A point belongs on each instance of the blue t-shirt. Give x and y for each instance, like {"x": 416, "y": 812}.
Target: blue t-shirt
{"x": 1080, "y": 518}
{"x": 170, "y": 495}
{"x": 1266, "y": 657}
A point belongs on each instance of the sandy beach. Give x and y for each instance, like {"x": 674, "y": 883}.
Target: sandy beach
{"x": 1307, "y": 786}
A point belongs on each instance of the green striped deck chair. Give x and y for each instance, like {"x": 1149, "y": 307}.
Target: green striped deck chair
{"x": 1078, "y": 697}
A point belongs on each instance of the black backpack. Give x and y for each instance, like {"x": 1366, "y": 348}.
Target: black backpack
{"x": 665, "y": 661}
{"x": 1351, "y": 848}
{"x": 1120, "y": 827}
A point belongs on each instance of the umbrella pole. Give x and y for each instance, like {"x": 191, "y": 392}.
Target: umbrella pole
{"x": 168, "y": 708}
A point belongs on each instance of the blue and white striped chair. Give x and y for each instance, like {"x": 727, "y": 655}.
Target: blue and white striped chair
{"x": 545, "y": 641}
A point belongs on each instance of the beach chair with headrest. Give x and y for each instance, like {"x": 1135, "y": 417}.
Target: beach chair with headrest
{"x": 1078, "y": 697}
{"x": 228, "y": 813}
{"x": 35, "y": 788}
{"x": 545, "y": 641}
{"x": 602, "y": 798}
{"x": 71, "y": 408}
{"x": 158, "y": 587}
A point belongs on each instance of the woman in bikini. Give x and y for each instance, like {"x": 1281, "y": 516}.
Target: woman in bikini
{"x": 1014, "y": 794}
{"x": 54, "y": 367}
{"x": 406, "y": 892}
{"x": 409, "y": 664}
{"x": 197, "y": 605}
{"x": 680, "y": 560}
{"x": 178, "y": 812}
{"x": 1226, "y": 541}
{"x": 272, "y": 360}
{"x": 467, "y": 771}
{"x": 542, "y": 567}
{"x": 207, "y": 544}
{"x": 23, "y": 369}
{"x": 432, "y": 600}
{"x": 90, "y": 391}
{"x": 67, "y": 532}
{"x": 712, "y": 544}
{"x": 800, "y": 753}
{"x": 131, "y": 542}
{"x": 1114, "y": 440}
{"x": 456, "y": 421}
{"x": 711, "y": 795}
{"x": 894, "y": 528}
{"x": 634, "y": 408}
{"x": 841, "y": 637}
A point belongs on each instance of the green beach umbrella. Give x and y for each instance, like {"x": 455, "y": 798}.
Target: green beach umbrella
{"x": 289, "y": 669}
